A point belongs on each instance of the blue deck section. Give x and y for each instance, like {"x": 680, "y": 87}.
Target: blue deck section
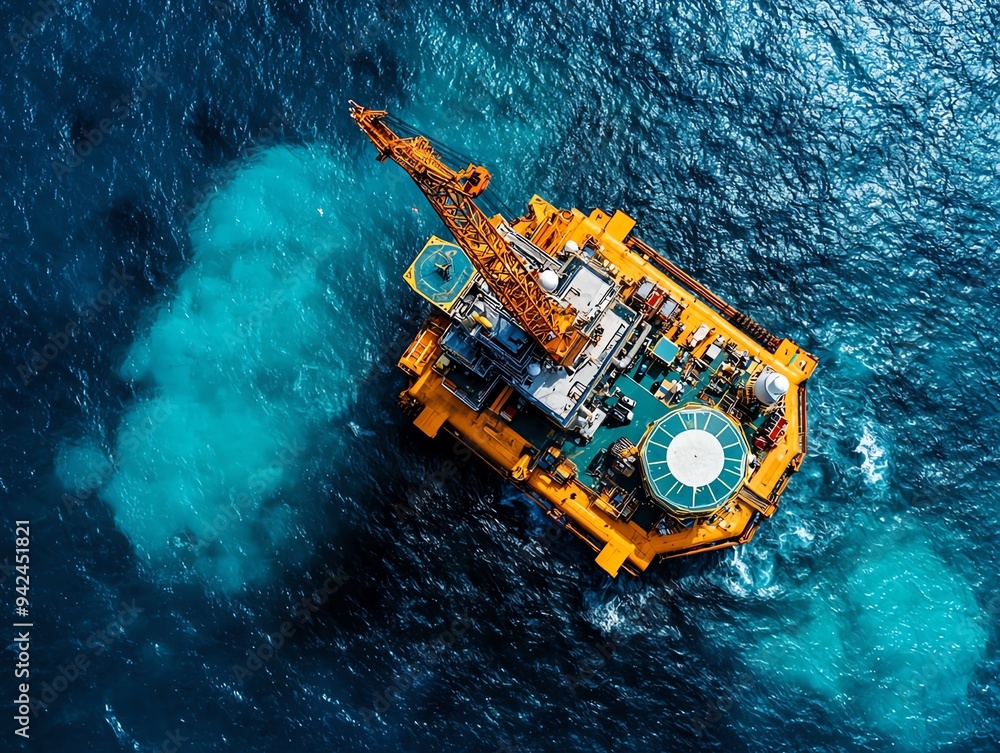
{"x": 669, "y": 490}
{"x": 510, "y": 336}
{"x": 665, "y": 350}
{"x": 440, "y": 273}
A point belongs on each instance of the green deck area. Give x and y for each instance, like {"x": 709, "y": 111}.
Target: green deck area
{"x": 659, "y": 364}
{"x": 648, "y": 410}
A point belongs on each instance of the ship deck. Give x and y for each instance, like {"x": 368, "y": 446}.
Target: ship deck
{"x": 701, "y": 353}
{"x": 639, "y": 383}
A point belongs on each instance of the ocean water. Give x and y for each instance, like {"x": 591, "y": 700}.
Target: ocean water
{"x": 238, "y": 542}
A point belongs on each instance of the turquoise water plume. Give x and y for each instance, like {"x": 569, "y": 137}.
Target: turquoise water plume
{"x": 897, "y": 644}
{"x": 237, "y": 370}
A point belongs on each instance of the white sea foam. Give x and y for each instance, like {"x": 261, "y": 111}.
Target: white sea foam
{"x": 874, "y": 464}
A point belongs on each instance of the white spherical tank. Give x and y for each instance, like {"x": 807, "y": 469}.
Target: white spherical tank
{"x": 572, "y": 247}
{"x": 534, "y": 369}
{"x": 770, "y": 387}
{"x": 549, "y": 281}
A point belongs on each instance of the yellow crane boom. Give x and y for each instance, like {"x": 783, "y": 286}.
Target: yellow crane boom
{"x": 451, "y": 194}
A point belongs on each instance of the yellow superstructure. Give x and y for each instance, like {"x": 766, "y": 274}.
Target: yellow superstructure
{"x": 661, "y": 423}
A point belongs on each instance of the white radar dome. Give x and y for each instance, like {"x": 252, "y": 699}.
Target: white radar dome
{"x": 534, "y": 369}
{"x": 549, "y": 281}
{"x": 770, "y": 387}
{"x": 572, "y": 247}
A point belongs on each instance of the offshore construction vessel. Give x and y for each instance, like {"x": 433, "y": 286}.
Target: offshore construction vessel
{"x": 636, "y": 407}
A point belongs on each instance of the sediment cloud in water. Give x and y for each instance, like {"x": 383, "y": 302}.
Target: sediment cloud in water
{"x": 899, "y": 644}
{"x": 249, "y": 358}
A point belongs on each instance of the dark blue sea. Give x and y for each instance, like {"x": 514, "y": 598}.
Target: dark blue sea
{"x": 238, "y": 543}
